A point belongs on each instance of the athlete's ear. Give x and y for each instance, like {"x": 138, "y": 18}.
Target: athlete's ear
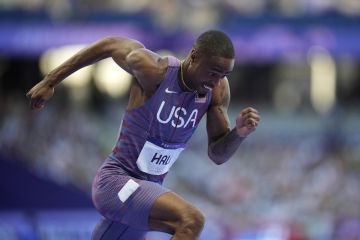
{"x": 194, "y": 55}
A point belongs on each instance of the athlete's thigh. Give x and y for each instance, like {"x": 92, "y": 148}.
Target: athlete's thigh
{"x": 124, "y": 199}
{"x": 110, "y": 230}
{"x": 167, "y": 211}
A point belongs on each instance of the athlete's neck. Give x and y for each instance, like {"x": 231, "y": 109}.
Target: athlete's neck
{"x": 184, "y": 84}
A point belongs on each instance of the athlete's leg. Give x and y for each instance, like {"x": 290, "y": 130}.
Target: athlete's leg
{"x": 106, "y": 229}
{"x": 109, "y": 230}
{"x": 172, "y": 214}
{"x": 149, "y": 207}
{"x": 132, "y": 211}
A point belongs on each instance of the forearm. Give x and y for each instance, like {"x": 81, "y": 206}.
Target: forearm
{"x": 78, "y": 61}
{"x": 107, "y": 47}
{"x": 223, "y": 148}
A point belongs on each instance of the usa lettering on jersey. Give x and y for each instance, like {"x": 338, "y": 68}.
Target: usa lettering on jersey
{"x": 178, "y": 116}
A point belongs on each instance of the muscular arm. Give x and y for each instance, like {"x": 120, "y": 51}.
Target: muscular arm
{"x": 223, "y": 142}
{"x": 147, "y": 67}
{"x": 117, "y": 48}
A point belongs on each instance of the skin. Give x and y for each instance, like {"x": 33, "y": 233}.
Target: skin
{"x": 170, "y": 213}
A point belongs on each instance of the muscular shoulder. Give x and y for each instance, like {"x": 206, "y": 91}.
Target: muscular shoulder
{"x": 221, "y": 94}
{"x": 147, "y": 67}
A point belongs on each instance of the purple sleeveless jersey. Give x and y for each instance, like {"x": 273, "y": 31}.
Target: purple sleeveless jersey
{"x": 170, "y": 116}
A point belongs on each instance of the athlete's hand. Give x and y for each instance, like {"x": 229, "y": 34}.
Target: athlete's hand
{"x": 247, "y": 121}
{"x": 39, "y": 94}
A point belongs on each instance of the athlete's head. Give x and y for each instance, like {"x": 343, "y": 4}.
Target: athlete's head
{"x": 211, "y": 59}
{"x": 214, "y": 43}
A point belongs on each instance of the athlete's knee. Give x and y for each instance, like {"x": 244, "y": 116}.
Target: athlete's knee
{"x": 192, "y": 221}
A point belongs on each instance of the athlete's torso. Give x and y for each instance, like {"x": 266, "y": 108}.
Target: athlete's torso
{"x": 168, "y": 118}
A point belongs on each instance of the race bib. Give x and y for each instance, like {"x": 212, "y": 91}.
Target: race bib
{"x": 156, "y": 158}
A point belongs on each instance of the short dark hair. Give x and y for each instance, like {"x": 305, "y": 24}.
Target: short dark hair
{"x": 215, "y": 43}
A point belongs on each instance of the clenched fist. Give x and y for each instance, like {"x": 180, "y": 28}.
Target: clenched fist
{"x": 39, "y": 94}
{"x": 247, "y": 121}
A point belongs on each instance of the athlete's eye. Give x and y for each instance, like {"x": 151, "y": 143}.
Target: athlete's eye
{"x": 216, "y": 75}
{"x": 212, "y": 74}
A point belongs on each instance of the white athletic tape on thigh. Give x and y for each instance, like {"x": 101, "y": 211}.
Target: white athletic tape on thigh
{"x": 128, "y": 189}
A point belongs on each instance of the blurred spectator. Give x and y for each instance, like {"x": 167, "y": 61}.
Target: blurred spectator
{"x": 170, "y": 15}
{"x": 271, "y": 178}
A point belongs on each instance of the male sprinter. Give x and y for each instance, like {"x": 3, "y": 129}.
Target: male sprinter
{"x": 165, "y": 106}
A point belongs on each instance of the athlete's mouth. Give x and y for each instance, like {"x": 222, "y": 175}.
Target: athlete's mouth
{"x": 207, "y": 87}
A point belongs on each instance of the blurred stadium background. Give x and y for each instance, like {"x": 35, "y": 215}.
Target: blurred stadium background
{"x": 298, "y": 63}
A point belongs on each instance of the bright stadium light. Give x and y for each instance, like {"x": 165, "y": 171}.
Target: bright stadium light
{"x": 56, "y": 56}
{"x": 112, "y": 79}
{"x": 323, "y": 79}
